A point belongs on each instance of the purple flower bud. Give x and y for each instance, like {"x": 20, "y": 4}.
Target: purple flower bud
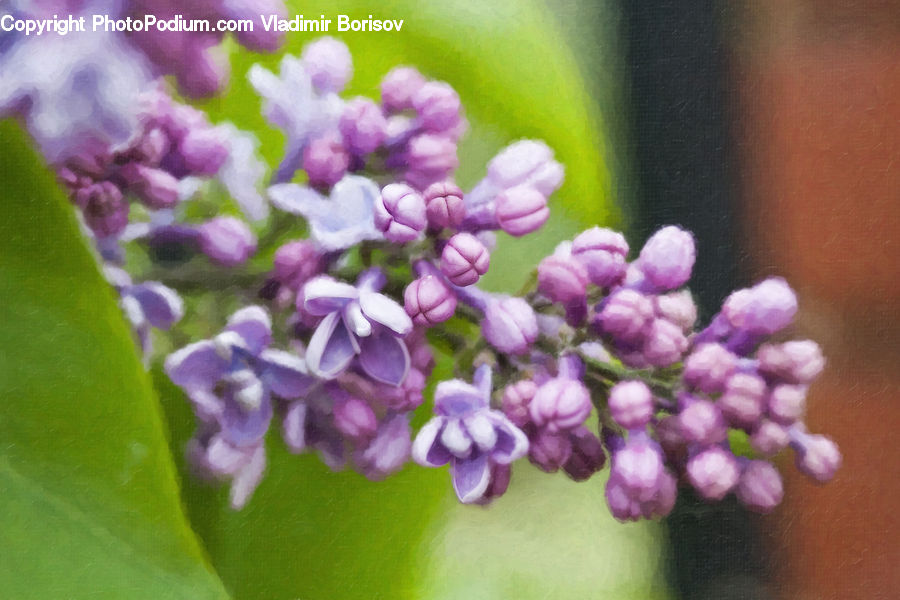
{"x": 631, "y": 404}
{"x": 389, "y": 450}
{"x": 549, "y": 450}
{"x": 713, "y": 472}
{"x": 587, "y": 454}
{"x": 560, "y": 404}
{"x": 437, "y": 105}
{"x": 203, "y": 150}
{"x": 156, "y": 188}
{"x": 743, "y": 400}
{"x": 766, "y": 308}
{"x": 638, "y": 467}
{"x": 325, "y": 160}
{"x": 296, "y": 262}
{"x": 428, "y": 301}
{"x": 665, "y": 343}
{"x": 464, "y": 259}
{"x": 787, "y": 403}
{"x": 354, "y": 418}
{"x": 400, "y": 213}
{"x": 816, "y": 455}
{"x": 769, "y": 438}
{"x": 227, "y": 241}
{"x": 104, "y": 210}
{"x": 517, "y": 399}
{"x": 708, "y": 368}
{"x": 363, "y": 126}
{"x": 668, "y": 258}
{"x": 701, "y": 422}
{"x": 562, "y": 278}
{"x": 529, "y": 163}
{"x": 677, "y": 307}
{"x": 521, "y": 210}
{"x": 509, "y": 325}
{"x": 760, "y": 488}
{"x": 151, "y": 147}
{"x": 602, "y": 252}
{"x": 444, "y": 205}
{"x": 398, "y": 88}
{"x": 328, "y": 63}
{"x": 798, "y": 361}
{"x": 625, "y": 316}
{"x": 429, "y": 159}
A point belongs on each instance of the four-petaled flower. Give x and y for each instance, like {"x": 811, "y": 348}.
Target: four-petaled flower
{"x": 469, "y": 435}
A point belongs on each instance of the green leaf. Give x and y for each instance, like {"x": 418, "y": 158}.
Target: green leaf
{"x": 88, "y": 492}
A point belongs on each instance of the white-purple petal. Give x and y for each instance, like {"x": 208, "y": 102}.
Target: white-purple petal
{"x": 384, "y": 357}
{"x": 254, "y": 325}
{"x": 298, "y": 200}
{"x": 481, "y": 430}
{"x": 381, "y": 309}
{"x": 356, "y": 321}
{"x": 285, "y": 374}
{"x": 293, "y": 427}
{"x": 470, "y": 478}
{"x": 161, "y": 306}
{"x": 196, "y": 366}
{"x": 331, "y": 348}
{"x": 455, "y": 398}
{"x": 456, "y": 439}
{"x": 242, "y": 427}
{"x": 323, "y": 295}
{"x": 427, "y": 449}
{"x": 246, "y": 480}
{"x": 512, "y": 443}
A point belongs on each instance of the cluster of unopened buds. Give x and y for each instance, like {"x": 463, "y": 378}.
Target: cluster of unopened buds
{"x": 597, "y": 360}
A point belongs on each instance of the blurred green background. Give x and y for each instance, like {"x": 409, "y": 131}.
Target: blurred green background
{"x": 84, "y": 466}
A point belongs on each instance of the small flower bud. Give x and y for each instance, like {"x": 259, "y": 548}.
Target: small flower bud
{"x": 156, "y": 188}
{"x": 296, "y": 262}
{"x": 328, "y": 63}
{"x": 227, "y": 241}
{"x": 444, "y": 205}
{"x": 510, "y": 325}
{"x": 354, "y": 418}
{"x": 398, "y": 88}
{"x": 677, "y": 307}
{"x": 429, "y": 159}
{"x": 529, "y": 163}
{"x": 521, "y": 210}
{"x": 562, "y": 278}
{"x": 701, "y": 422}
{"x": 668, "y": 258}
{"x": 769, "y": 438}
{"x": 400, "y": 213}
{"x": 638, "y": 467}
{"x": 549, "y": 450}
{"x": 602, "y": 252}
{"x": 203, "y": 150}
{"x": 665, "y": 343}
{"x": 428, "y": 301}
{"x": 766, "y": 308}
{"x": 713, "y": 472}
{"x": 325, "y": 160}
{"x": 587, "y": 454}
{"x": 104, "y": 209}
{"x": 363, "y": 126}
{"x": 517, "y": 399}
{"x": 464, "y": 259}
{"x": 625, "y": 316}
{"x": 798, "y": 361}
{"x": 744, "y": 399}
{"x": 708, "y": 367}
{"x": 631, "y": 404}
{"x": 560, "y": 404}
{"x": 760, "y": 488}
{"x": 818, "y": 457}
{"x": 437, "y": 105}
{"x": 787, "y": 403}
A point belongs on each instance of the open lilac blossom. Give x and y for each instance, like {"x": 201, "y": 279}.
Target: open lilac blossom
{"x": 469, "y": 435}
{"x": 344, "y": 219}
{"x": 147, "y": 304}
{"x": 358, "y": 321}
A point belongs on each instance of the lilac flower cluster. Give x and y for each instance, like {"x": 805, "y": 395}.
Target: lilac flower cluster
{"x": 599, "y": 360}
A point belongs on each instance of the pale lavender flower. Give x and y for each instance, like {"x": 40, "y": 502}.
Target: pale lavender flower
{"x": 389, "y": 449}
{"x": 329, "y": 64}
{"x": 358, "y": 321}
{"x": 469, "y": 435}
{"x": 342, "y": 220}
